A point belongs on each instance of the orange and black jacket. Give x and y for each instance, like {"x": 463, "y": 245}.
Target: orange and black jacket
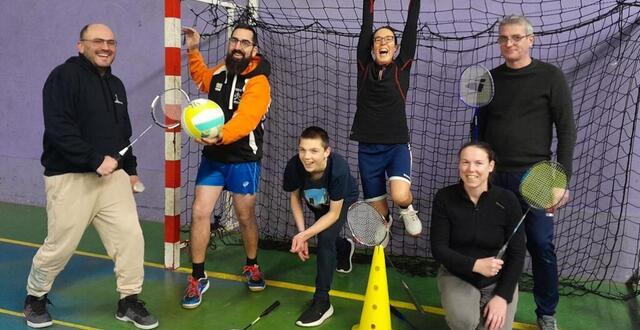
{"x": 245, "y": 100}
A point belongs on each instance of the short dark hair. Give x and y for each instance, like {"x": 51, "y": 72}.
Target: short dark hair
{"x": 315, "y": 132}
{"x": 84, "y": 31}
{"x": 388, "y": 27}
{"x": 480, "y": 145}
{"x": 246, "y": 26}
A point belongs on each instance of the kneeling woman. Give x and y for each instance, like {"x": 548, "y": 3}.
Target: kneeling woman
{"x": 471, "y": 221}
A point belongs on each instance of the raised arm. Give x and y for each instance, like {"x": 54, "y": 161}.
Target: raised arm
{"x": 366, "y": 34}
{"x": 410, "y": 34}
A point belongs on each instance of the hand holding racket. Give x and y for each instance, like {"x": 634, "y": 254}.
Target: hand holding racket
{"x": 476, "y": 91}
{"x": 543, "y": 187}
{"x": 166, "y": 111}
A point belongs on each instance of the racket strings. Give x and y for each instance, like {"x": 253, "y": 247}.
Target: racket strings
{"x": 544, "y": 185}
{"x": 166, "y": 108}
{"x": 366, "y": 224}
{"x": 476, "y": 86}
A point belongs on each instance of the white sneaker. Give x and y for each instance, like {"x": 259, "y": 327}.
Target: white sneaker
{"x": 412, "y": 223}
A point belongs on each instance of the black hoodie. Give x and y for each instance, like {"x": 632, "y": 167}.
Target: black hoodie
{"x": 85, "y": 118}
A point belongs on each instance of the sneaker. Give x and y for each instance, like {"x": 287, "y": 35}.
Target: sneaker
{"x": 387, "y": 232}
{"x": 344, "y": 252}
{"x": 255, "y": 279}
{"x": 195, "y": 289}
{"x": 547, "y": 322}
{"x": 316, "y": 314}
{"x": 131, "y": 309}
{"x": 35, "y": 311}
{"x": 412, "y": 223}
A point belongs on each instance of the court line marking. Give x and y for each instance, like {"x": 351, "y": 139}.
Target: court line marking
{"x": 58, "y": 322}
{"x": 279, "y": 284}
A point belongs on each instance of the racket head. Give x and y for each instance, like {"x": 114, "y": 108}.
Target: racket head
{"x": 544, "y": 185}
{"x": 476, "y": 86}
{"x": 166, "y": 108}
{"x": 366, "y": 224}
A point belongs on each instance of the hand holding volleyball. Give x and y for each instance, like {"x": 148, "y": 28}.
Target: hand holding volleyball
{"x": 202, "y": 118}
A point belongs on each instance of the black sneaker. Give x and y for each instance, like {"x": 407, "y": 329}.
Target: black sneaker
{"x": 131, "y": 309}
{"x": 35, "y": 311}
{"x": 344, "y": 252}
{"x": 316, "y": 314}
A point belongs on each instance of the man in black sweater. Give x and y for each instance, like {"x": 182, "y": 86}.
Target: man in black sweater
{"x": 531, "y": 98}
{"x": 86, "y": 123}
{"x": 380, "y": 123}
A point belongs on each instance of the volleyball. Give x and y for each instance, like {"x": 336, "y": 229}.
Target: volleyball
{"x": 202, "y": 118}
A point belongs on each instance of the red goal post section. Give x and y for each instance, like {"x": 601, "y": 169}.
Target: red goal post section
{"x": 173, "y": 142}
{"x": 172, "y": 139}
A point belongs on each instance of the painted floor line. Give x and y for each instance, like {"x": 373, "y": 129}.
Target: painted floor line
{"x": 279, "y": 284}
{"x": 58, "y": 322}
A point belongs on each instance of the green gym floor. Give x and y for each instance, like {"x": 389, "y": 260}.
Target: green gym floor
{"x": 84, "y": 295}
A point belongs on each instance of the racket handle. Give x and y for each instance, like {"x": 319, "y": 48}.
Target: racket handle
{"x": 270, "y": 308}
{"x": 501, "y": 252}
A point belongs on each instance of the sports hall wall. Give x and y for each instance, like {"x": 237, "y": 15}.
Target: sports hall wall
{"x": 37, "y": 35}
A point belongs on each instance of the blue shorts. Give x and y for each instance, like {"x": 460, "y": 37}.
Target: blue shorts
{"x": 377, "y": 162}
{"x": 238, "y": 178}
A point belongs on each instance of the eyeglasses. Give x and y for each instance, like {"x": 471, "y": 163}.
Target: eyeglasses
{"x": 99, "y": 42}
{"x": 514, "y": 38}
{"x": 243, "y": 43}
{"x": 383, "y": 40}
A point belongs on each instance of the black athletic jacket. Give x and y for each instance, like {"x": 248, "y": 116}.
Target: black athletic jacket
{"x": 85, "y": 118}
{"x": 380, "y": 115}
{"x": 462, "y": 232}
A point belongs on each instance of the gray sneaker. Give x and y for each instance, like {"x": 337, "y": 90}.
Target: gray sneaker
{"x": 131, "y": 309}
{"x": 35, "y": 311}
{"x": 547, "y": 322}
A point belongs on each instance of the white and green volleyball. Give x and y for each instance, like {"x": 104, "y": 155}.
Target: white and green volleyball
{"x": 202, "y": 118}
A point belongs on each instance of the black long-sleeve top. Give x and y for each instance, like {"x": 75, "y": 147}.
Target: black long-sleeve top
{"x": 518, "y": 122}
{"x": 462, "y": 232}
{"x": 85, "y": 118}
{"x": 380, "y": 115}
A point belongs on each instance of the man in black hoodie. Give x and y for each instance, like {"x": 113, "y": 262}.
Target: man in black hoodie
{"x": 86, "y": 124}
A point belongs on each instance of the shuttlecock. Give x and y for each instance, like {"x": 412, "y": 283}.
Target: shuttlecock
{"x": 138, "y": 187}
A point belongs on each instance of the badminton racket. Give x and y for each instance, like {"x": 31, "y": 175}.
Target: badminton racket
{"x": 264, "y": 313}
{"x": 366, "y": 224}
{"x": 476, "y": 91}
{"x": 543, "y": 186}
{"x": 368, "y": 227}
{"x": 166, "y": 110}
{"x": 402, "y": 317}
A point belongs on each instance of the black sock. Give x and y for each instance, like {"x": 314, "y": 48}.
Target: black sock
{"x": 251, "y": 262}
{"x": 197, "y": 270}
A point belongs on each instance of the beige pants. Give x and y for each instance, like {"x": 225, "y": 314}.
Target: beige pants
{"x": 76, "y": 200}
{"x": 463, "y": 303}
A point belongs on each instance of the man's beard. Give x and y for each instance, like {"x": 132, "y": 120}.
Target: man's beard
{"x": 236, "y": 66}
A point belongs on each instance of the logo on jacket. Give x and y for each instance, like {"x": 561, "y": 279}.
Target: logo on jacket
{"x": 218, "y": 87}
{"x": 237, "y": 95}
{"x": 116, "y": 101}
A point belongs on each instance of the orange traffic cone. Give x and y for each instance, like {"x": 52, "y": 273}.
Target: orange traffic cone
{"x": 376, "y": 313}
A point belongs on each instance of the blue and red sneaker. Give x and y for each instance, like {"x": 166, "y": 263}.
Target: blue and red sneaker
{"x": 193, "y": 294}
{"x": 255, "y": 279}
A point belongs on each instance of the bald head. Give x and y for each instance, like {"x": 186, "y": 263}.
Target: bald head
{"x": 98, "y": 44}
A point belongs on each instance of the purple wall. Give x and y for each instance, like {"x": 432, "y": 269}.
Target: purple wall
{"x": 38, "y": 35}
